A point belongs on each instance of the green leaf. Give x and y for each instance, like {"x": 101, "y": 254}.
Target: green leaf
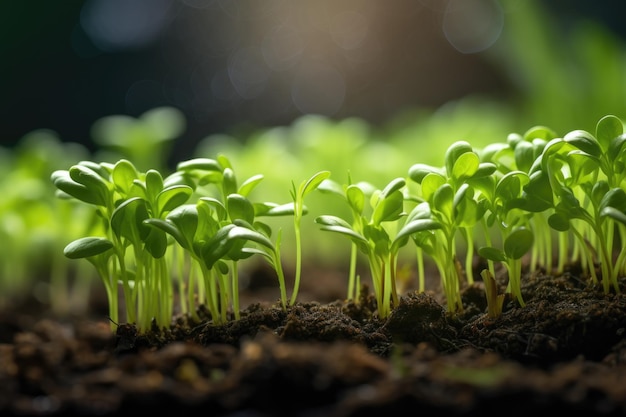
{"x": 460, "y": 195}
{"x": 524, "y": 156}
{"x": 213, "y": 206}
{"x": 513, "y": 139}
{"x": 427, "y": 242}
{"x": 239, "y": 207}
{"x": 127, "y": 220}
{"x": 249, "y": 184}
{"x": 465, "y": 166}
{"x": 229, "y": 182}
{"x": 509, "y": 187}
{"x": 485, "y": 169}
{"x": 185, "y": 219}
{"x": 86, "y": 247}
{"x": 615, "y": 148}
{"x": 346, "y": 231}
{"x": 539, "y": 132}
{"x": 101, "y": 169}
{"x": 583, "y": 166}
{"x": 486, "y": 186}
{"x": 97, "y": 185}
{"x": 599, "y": 192}
{"x": 155, "y": 242}
{"x": 430, "y": 184}
{"x": 172, "y": 197}
{"x": 179, "y": 178}
{"x": 329, "y": 220}
{"x": 615, "y": 198}
{"x": 250, "y": 235}
{"x": 208, "y": 224}
{"x": 273, "y": 210}
{"x": 469, "y": 212}
{"x": 224, "y": 161}
{"x": 537, "y": 194}
{"x": 331, "y": 186}
{"x": 170, "y": 228}
{"x": 312, "y": 183}
{"x": 416, "y": 226}
{"x": 443, "y": 202}
{"x": 553, "y": 147}
{"x": 569, "y": 206}
{"x": 614, "y": 214}
{"x": 420, "y": 211}
{"x": 608, "y": 128}
{"x": 518, "y": 243}
{"x": 379, "y": 237}
{"x": 202, "y": 164}
{"x": 389, "y": 209}
{"x": 356, "y": 198}
{"x": 216, "y": 246}
{"x": 491, "y": 253}
{"x": 453, "y": 153}
{"x": 154, "y": 184}
{"x": 394, "y": 185}
{"x": 123, "y": 176}
{"x": 584, "y": 141}
{"x": 62, "y": 180}
{"x": 417, "y": 172}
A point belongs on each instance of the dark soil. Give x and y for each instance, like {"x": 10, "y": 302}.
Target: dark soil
{"x": 564, "y": 351}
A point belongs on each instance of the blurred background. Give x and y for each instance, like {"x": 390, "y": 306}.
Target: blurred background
{"x": 244, "y": 64}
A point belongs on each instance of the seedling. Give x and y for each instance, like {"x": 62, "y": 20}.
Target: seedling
{"x": 374, "y": 240}
{"x": 298, "y": 195}
{"x": 450, "y": 196}
{"x": 124, "y": 198}
{"x": 517, "y": 193}
{"x": 495, "y": 300}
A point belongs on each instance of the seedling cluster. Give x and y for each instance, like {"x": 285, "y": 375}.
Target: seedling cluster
{"x": 184, "y": 234}
{"x": 150, "y": 229}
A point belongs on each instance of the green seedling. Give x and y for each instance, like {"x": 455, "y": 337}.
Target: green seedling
{"x": 449, "y": 193}
{"x": 98, "y": 251}
{"x": 585, "y": 177}
{"x": 516, "y": 244}
{"x": 202, "y": 222}
{"x": 355, "y": 197}
{"x": 373, "y": 239}
{"x": 214, "y": 232}
{"x": 495, "y": 300}
{"x": 298, "y": 195}
{"x": 123, "y": 199}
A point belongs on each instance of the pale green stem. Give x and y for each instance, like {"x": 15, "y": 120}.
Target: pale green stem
{"x": 235, "y": 290}
{"x": 420, "y": 270}
{"x": 211, "y": 300}
{"x": 352, "y": 274}
{"x": 469, "y": 256}
{"x": 296, "y": 283}
{"x": 278, "y": 266}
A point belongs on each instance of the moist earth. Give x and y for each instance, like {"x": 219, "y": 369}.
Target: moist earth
{"x": 563, "y": 351}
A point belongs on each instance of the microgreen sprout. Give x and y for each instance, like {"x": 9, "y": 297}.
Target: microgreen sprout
{"x": 373, "y": 234}
{"x": 509, "y": 198}
{"x": 495, "y": 300}
{"x": 354, "y": 196}
{"x": 298, "y": 194}
{"x": 124, "y": 198}
{"x": 449, "y": 193}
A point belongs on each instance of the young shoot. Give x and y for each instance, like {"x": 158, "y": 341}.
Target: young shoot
{"x": 298, "y": 195}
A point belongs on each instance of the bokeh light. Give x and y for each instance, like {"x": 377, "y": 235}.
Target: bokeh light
{"x": 225, "y": 63}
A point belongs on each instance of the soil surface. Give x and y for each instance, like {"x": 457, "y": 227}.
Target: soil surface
{"x": 564, "y": 351}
